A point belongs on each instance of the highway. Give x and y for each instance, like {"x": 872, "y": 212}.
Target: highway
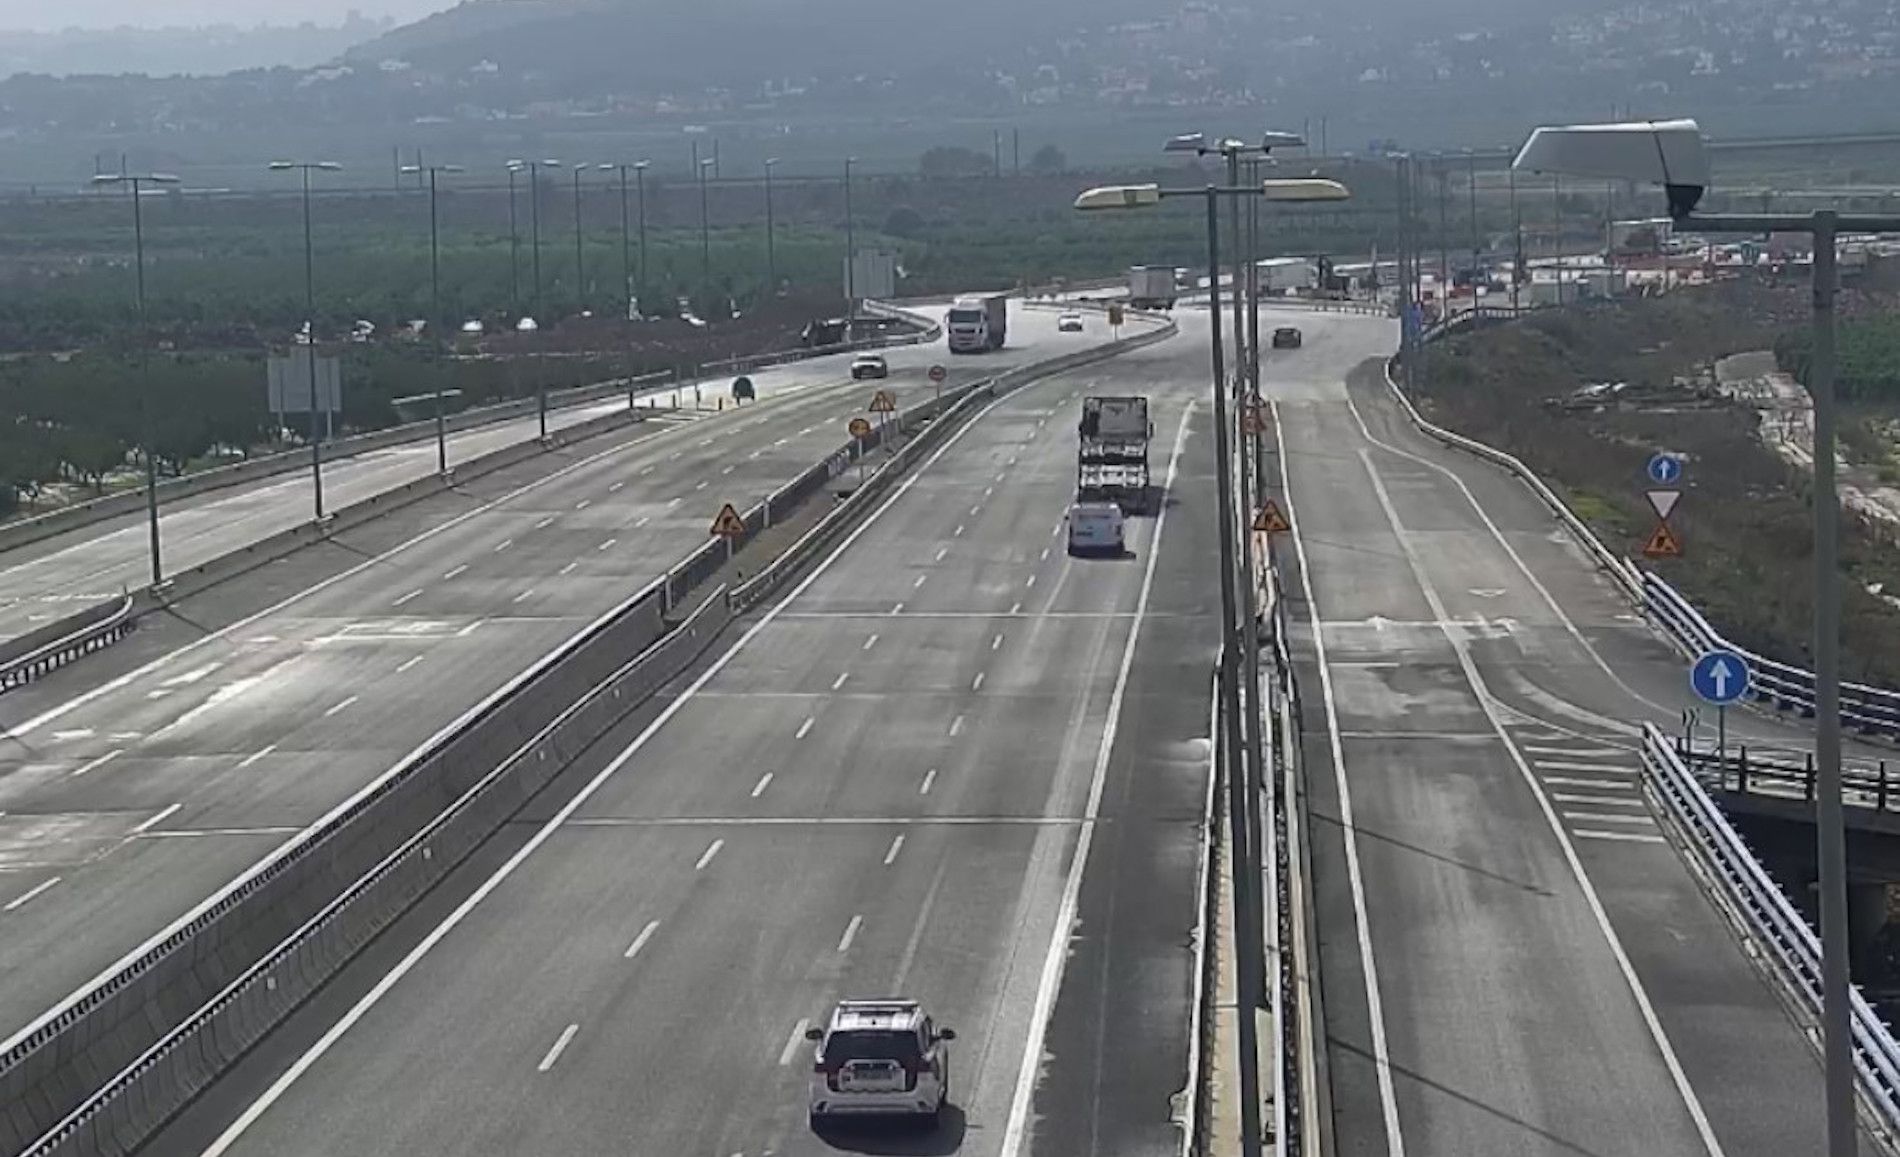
{"x": 52, "y": 578}
{"x": 945, "y": 746}
{"x": 1514, "y": 961}
{"x": 136, "y": 783}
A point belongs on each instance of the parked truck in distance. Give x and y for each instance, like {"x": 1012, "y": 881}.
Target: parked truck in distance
{"x": 1111, "y": 461}
{"x": 1151, "y": 286}
{"x": 1286, "y": 274}
{"x": 978, "y": 323}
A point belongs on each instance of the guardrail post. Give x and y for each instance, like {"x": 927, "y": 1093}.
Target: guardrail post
{"x": 1741, "y": 769}
{"x": 1807, "y": 786}
{"x": 1880, "y": 794}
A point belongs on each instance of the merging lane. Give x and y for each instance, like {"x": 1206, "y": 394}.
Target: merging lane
{"x": 1514, "y": 959}
{"x": 912, "y": 775}
{"x": 126, "y": 802}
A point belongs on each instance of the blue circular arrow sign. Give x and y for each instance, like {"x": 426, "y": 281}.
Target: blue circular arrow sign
{"x": 1664, "y": 469}
{"x": 1719, "y": 677}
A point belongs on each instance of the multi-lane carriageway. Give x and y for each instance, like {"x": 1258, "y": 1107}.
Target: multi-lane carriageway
{"x": 941, "y": 747}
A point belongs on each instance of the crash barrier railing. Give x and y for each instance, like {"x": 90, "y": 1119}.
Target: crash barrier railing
{"x": 1790, "y": 775}
{"x": 1767, "y": 917}
{"x": 40, "y": 651}
{"x": 1197, "y": 1114}
{"x": 924, "y": 330}
{"x": 98, "y": 1072}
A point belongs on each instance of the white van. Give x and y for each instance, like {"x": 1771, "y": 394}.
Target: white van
{"x": 1095, "y": 528}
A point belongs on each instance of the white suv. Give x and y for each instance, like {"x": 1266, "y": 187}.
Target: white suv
{"x": 879, "y": 1058}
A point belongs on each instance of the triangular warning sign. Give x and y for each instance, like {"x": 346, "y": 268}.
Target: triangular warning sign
{"x": 1270, "y": 520}
{"x": 1663, "y": 501}
{"x": 727, "y": 523}
{"x": 1662, "y": 543}
{"x": 883, "y": 403}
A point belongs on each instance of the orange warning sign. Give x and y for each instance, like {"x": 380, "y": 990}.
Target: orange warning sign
{"x": 728, "y": 524}
{"x": 859, "y": 428}
{"x": 1270, "y": 520}
{"x": 883, "y": 403}
{"x": 1662, "y": 543}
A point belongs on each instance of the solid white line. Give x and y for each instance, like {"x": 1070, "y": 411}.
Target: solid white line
{"x": 108, "y": 757}
{"x": 453, "y": 572}
{"x": 1355, "y": 878}
{"x": 640, "y": 941}
{"x": 850, "y": 933}
{"x": 930, "y": 779}
{"x": 1629, "y": 837}
{"x": 890, "y": 857}
{"x": 791, "y": 1044}
{"x": 840, "y": 680}
{"x": 414, "y": 594}
{"x": 340, "y": 707}
{"x": 260, "y": 753}
{"x": 870, "y": 642}
{"x": 1572, "y": 765}
{"x": 706, "y": 857}
{"x": 804, "y": 728}
{"x": 161, "y": 817}
{"x": 1599, "y": 784}
{"x": 759, "y": 788}
{"x": 1017, "y": 1126}
{"x": 1488, "y": 704}
{"x": 28, "y": 895}
{"x": 408, "y": 663}
{"x": 560, "y": 1046}
{"x": 1580, "y": 752}
{"x": 441, "y": 931}
{"x": 1606, "y": 818}
{"x": 1595, "y": 800}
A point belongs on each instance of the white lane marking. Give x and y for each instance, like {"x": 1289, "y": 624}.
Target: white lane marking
{"x": 976, "y": 684}
{"x": 616, "y": 487}
{"x": 1016, "y": 1129}
{"x": 1489, "y": 706}
{"x": 341, "y": 707}
{"x": 959, "y": 531}
{"x": 642, "y": 521}
{"x": 930, "y": 780}
{"x": 920, "y": 581}
{"x": 453, "y": 571}
{"x": 412, "y": 595}
{"x": 706, "y": 857}
{"x": 988, "y": 491}
{"x": 566, "y": 570}
{"x": 975, "y": 509}
{"x": 1000, "y": 474}
{"x": 263, "y": 752}
{"x": 1031, "y": 582}
{"x": 544, "y": 523}
{"x": 804, "y": 728}
{"x": 646, "y": 470}
{"x": 504, "y": 544}
{"x": 1355, "y": 878}
{"x": 996, "y": 643}
{"x": 758, "y": 789}
{"x": 23, "y": 897}
{"x": 1594, "y": 768}
{"x": 700, "y": 485}
{"x": 560, "y": 1046}
{"x": 1056, "y": 531}
{"x": 869, "y": 642}
{"x": 941, "y": 551}
{"x": 194, "y": 675}
{"x": 755, "y": 454}
{"x": 1596, "y": 801}
{"x": 583, "y": 504}
{"x": 640, "y": 941}
{"x": 840, "y": 680}
{"x": 850, "y": 934}
{"x": 1597, "y": 784}
{"x": 161, "y": 817}
{"x": 524, "y": 596}
{"x": 897, "y": 844}
{"x": 956, "y": 726}
{"x": 727, "y": 470}
{"x": 897, "y": 608}
{"x": 1045, "y": 554}
{"x": 608, "y": 545}
{"x": 674, "y": 456}
{"x": 108, "y": 757}
{"x": 1015, "y": 608}
{"x": 257, "y": 1108}
{"x": 408, "y": 663}
{"x": 1629, "y": 837}
{"x": 792, "y": 1043}
{"x": 1608, "y": 818}
{"x": 1579, "y": 752}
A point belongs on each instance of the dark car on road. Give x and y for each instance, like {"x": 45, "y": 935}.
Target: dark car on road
{"x": 1286, "y": 338}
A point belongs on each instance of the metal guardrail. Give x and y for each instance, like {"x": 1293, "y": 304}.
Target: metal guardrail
{"x": 1742, "y": 770}
{"x": 37, "y": 653}
{"x": 1197, "y": 1111}
{"x": 1773, "y": 922}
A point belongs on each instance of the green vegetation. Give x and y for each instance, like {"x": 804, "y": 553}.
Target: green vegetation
{"x": 1867, "y": 358}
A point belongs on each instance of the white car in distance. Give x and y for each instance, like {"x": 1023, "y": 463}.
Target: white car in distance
{"x": 1069, "y": 323}
{"x": 869, "y": 366}
{"x": 879, "y": 1058}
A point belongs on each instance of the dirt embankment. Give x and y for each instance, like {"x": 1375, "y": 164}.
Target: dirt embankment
{"x": 1586, "y": 395}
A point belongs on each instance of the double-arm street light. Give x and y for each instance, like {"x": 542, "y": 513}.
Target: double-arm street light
{"x": 1238, "y": 721}
{"x": 1671, "y": 153}
{"x": 310, "y": 317}
{"x": 634, "y": 295}
{"x": 435, "y": 303}
{"x": 533, "y": 169}
{"x": 136, "y": 182}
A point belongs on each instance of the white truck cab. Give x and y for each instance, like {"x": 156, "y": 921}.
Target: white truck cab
{"x": 879, "y": 1058}
{"x": 1095, "y": 528}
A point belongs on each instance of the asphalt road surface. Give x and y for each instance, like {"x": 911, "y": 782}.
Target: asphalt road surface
{"x": 136, "y": 783}
{"x": 50, "y": 579}
{"x": 945, "y": 749}
{"x": 1514, "y": 962}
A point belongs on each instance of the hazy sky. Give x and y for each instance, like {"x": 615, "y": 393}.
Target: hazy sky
{"x": 42, "y": 16}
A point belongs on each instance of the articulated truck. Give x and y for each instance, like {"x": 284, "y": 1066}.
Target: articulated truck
{"x": 978, "y": 323}
{"x": 1111, "y": 461}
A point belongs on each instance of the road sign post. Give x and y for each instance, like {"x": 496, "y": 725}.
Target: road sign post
{"x": 883, "y": 405}
{"x": 1665, "y": 470}
{"x": 727, "y": 524}
{"x": 937, "y": 375}
{"x": 860, "y": 429}
{"x": 1720, "y": 677}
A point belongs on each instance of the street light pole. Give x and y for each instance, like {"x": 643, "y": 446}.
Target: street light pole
{"x": 705, "y": 231}
{"x": 580, "y": 261}
{"x": 1471, "y": 189}
{"x": 850, "y": 254}
{"x": 137, "y": 182}
{"x": 640, "y": 193}
{"x": 514, "y": 247}
{"x": 533, "y": 169}
{"x": 626, "y": 242}
{"x": 771, "y": 234}
{"x": 310, "y": 319}
{"x": 435, "y": 307}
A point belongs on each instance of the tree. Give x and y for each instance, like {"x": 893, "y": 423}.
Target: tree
{"x": 951, "y": 161}
{"x": 1048, "y": 159}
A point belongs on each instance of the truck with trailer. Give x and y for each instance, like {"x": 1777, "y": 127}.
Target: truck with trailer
{"x": 1278, "y": 275}
{"x": 1151, "y": 286}
{"x": 1111, "y": 461}
{"x": 978, "y": 323}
